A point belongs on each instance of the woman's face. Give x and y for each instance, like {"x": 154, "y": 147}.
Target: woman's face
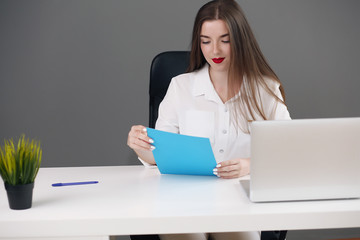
{"x": 215, "y": 44}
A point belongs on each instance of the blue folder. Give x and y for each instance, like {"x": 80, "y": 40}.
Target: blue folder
{"x": 182, "y": 154}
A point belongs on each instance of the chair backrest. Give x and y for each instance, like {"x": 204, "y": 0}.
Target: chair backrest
{"x": 164, "y": 67}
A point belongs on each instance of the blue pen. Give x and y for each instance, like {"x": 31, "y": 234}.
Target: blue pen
{"x": 73, "y": 183}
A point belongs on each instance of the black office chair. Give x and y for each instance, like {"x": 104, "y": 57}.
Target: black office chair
{"x": 164, "y": 67}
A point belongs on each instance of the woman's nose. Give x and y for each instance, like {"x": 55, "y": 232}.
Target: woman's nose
{"x": 216, "y": 49}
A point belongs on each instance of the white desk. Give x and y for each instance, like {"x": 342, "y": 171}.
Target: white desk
{"x": 135, "y": 200}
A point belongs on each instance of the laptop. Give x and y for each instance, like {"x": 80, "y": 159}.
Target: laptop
{"x": 305, "y": 159}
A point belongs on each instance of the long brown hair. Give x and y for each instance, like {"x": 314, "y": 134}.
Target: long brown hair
{"x": 248, "y": 66}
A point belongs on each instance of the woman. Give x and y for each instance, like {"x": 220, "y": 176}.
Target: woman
{"x": 228, "y": 85}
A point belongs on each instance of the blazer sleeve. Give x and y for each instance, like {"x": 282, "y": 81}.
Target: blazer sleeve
{"x": 168, "y": 119}
{"x": 274, "y": 109}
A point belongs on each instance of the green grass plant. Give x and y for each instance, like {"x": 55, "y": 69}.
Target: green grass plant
{"x": 20, "y": 164}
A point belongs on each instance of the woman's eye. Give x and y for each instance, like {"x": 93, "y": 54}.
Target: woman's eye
{"x": 205, "y": 42}
{"x": 228, "y": 41}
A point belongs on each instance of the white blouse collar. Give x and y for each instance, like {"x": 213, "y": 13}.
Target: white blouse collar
{"x": 204, "y": 86}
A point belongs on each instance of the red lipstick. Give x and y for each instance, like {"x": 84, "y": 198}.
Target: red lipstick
{"x": 218, "y": 60}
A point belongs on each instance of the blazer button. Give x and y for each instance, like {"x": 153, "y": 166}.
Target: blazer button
{"x": 221, "y": 150}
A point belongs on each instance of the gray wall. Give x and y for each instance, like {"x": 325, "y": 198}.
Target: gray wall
{"x": 75, "y": 74}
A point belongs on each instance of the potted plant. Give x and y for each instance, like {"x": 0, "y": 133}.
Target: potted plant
{"x": 19, "y": 166}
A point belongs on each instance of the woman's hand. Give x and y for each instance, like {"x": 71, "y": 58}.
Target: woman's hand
{"x": 141, "y": 143}
{"x": 138, "y": 139}
{"x": 233, "y": 168}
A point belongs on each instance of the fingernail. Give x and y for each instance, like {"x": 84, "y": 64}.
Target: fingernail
{"x": 151, "y": 141}
{"x": 215, "y": 173}
{"x": 215, "y": 170}
{"x": 219, "y": 165}
{"x": 152, "y": 148}
{"x": 145, "y": 130}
